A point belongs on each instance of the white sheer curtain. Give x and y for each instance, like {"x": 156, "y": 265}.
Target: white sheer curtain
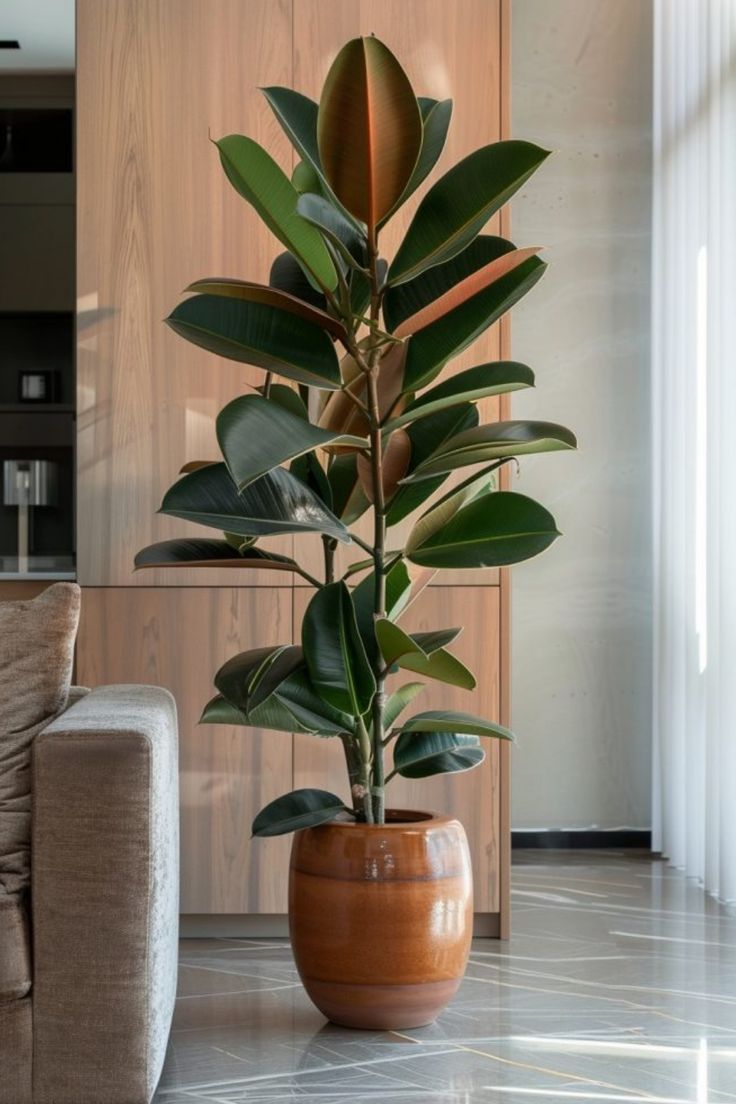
{"x": 694, "y": 446}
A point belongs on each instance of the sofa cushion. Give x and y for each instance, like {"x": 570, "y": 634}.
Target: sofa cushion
{"x": 15, "y": 948}
{"x": 36, "y": 656}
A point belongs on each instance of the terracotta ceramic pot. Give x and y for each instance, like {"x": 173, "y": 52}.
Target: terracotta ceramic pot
{"x": 381, "y": 917}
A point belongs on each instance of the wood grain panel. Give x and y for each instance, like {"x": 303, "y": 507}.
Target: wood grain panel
{"x": 448, "y": 50}
{"x": 178, "y": 638}
{"x": 19, "y": 590}
{"x": 155, "y": 211}
{"x": 473, "y": 796}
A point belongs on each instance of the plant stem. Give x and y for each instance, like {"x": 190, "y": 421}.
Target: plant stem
{"x": 379, "y": 530}
{"x": 329, "y": 544}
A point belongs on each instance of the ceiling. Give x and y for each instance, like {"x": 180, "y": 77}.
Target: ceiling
{"x": 45, "y": 30}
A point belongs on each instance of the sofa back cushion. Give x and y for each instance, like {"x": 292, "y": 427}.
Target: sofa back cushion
{"x": 36, "y": 658}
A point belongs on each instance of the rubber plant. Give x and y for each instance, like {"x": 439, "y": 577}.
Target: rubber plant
{"x": 363, "y": 424}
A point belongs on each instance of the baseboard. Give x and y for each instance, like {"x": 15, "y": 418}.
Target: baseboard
{"x": 564, "y": 839}
{"x": 486, "y": 925}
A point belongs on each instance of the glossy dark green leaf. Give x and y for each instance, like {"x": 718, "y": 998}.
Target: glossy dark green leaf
{"x": 369, "y": 129}
{"x": 398, "y": 593}
{"x": 402, "y": 302}
{"x": 219, "y": 710}
{"x": 257, "y": 435}
{"x": 492, "y": 442}
{"x": 297, "y": 115}
{"x": 422, "y": 754}
{"x": 399, "y": 701}
{"x": 204, "y": 552}
{"x": 271, "y": 687}
{"x": 436, "y": 115}
{"x": 296, "y": 810}
{"x": 259, "y": 334}
{"x": 449, "y": 335}
{"x": 441, "y": 720}
{"x": 308, "y": 469}
{"x": 288, "y": 398}
{"x": 305, "y": 179}
{"x": 471, "y": 385}
{"x": 286, "y": 273}
{"x": 275, "y": 503}
{"x": 426, "y": 435}
{"x": 435, "y": 639}
{"x": 257, "y": 178}
{"x": 330, "y": 222}
{"x": 458, "y": 206}
{"x": 349, "y": 499}
{"x": 264, "y": 293}
{"x": 492, "y": 530}
{"x": 236, "y": 678}
{"x": 398, "y": 647}
{"x": 334, "y": 652}
{"x": 286, "y": 682}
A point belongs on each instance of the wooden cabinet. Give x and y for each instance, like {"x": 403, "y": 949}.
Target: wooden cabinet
{"x": 154, "y": 212}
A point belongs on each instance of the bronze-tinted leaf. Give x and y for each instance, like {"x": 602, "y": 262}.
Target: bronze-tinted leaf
{"x": 369, "y": 129}
{"x": 477, "y": 281}
{"x": 261, "y": 293}
{"x": 396, "y": 458}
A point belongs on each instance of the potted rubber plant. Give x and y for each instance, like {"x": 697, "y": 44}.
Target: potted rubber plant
{"x": 353, "y": 418}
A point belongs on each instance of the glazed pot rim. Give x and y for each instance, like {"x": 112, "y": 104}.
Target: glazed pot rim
{"x": 395, "y": 819}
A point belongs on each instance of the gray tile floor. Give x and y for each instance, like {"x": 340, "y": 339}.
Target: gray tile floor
{"x": 619, "y": 984}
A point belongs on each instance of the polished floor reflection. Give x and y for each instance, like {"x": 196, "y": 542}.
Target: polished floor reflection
{"x": 619, "y": 984}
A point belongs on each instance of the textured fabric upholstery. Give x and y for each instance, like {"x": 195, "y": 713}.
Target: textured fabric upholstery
{"x": 105, "y": 897}
{"x": 15, "y": 950}
{"x": 36, "y": 656}
{"x": 16, "y": 1046}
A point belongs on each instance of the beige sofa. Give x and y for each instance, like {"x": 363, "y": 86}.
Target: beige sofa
{"x": 87, "y": 989}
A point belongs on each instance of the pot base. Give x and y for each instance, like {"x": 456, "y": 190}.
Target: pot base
{"x": 381, "y": 1007}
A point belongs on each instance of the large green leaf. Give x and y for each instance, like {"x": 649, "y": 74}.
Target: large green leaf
{"x": 205, "y": 552}
{"x": 435, "y": 639}
{"x": 349, "y": 499}
{"x": 398, "y": 593}
{"x": 296, "y": 810}
{"x": 256, "y": 176}
{"x": 436, "y": 116}
{"x": 459, "y": 205}
{"x": 260, "y": 334}
{"x": 271, "y": 687}
{"x": 492, "y": 442}
{"x": 399, "y": 701}
{"x": 440, "y": 720}
{"x": 422, "y": 754}
{"x": 473, "y": 384}
{"x": 398, "y": 647}
{"x": 407, "y": 301}
{"x": 426, "y": 435}
{"x": 297, "y": 115}
{"x": 330, "y": 222}
{"x": 219, "y": 710}
{"x": 447, "y": 506}
{"x": 275, "y": 503}
{"x": 492, "y": 530}
{"x": 287, "y": 275}
{"x": 264, "y": 293}
{"x": 257, "y": 435}
{"x": 369, "y": 129}
{"x": 449, "y": 335}
{"x": 334, "y": 652}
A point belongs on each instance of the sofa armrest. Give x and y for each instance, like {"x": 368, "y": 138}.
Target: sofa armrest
{"x": 105, "y": 888}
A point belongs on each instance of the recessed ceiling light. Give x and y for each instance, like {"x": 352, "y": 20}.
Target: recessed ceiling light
{"x": 9, "y": 44}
